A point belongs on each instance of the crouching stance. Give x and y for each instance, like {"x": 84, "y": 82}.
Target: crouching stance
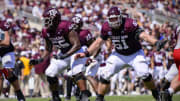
{"x": 125, "y": 35}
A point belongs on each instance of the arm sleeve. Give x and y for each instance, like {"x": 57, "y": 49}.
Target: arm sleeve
{"x": 138, "y": 31}
{"x": 104, "y": 34}
{"x": 104, "y": 37}
{"x": 49, "y": 45}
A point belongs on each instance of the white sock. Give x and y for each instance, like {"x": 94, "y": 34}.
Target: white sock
{"x": 171, "y": 90}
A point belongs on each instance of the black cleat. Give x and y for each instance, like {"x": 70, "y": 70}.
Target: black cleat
{"x": 84, "y": 98}
{"x": 99, "y": 99}
{"x": 166, "y": 96}
{"x": 78, "y": 98}
{"x": 55, "y": 99}
{"x": 156, "y": 95}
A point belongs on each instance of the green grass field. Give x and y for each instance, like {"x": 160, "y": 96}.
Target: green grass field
{"x": 108, "y": 98}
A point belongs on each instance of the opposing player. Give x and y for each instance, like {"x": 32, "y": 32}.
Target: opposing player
{"x": 7, "y": 56}
{"x": 125, "y": 35}
{"x": 60, "y": 34}
{"x": 175, "y": 83}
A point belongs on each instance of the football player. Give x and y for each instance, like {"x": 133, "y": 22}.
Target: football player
{"x": 172, "y": 75}
{"x": 125, "y": 35}
{"x": 58, "y": 33}
{"x": 7, "y": 56}
{"x": 86, "y": 38}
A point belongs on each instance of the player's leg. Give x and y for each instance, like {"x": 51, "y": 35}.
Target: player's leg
{"x": 113, "y": 84}
{"x": 93, "y": 81}
{"x": 167, "y": 94}
{"x": 141, "y": 67}
{"x": 69, "y": 84}
{"x": 113, "y": 66}
{"x": 8, "y": 62}
{"x": 91, "y": 73}
{"x": 77, "y": 69}
{"x": 174, "y": 87}
{"x": 172, "y": 72}
{"x": 81, "y": 83}
{"x": 77, "y": 93}
{"x": 55, "y": 67}
{"x": 1, "y": 81}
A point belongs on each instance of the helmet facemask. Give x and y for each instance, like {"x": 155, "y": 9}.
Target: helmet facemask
{"x": 77, "y": 23}
{"x": 47, "y": 22}
{"x": 115, "y": 21}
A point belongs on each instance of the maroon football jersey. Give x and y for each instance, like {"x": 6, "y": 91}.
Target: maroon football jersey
{"x": 158, "y": 58}
{"x": 60, "y": 38}
{"x": 126, "y": 38}
{"x": 85, "y": 37}
{"x": 148, "y": 57}
{"x": 5, "y": 26}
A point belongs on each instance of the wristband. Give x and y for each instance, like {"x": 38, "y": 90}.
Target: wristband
{"x": 87, "y": 53}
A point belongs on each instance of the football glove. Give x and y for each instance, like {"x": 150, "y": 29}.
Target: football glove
{"x": 160, "y": 44}
{"x": 88, "y": 61}
{"x": 35, "y": 61}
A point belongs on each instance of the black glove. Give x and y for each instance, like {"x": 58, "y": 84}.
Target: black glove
{"x": 160, "y": 44}
{"x": 35, "y": 61}
{"x": 61, "y": 56}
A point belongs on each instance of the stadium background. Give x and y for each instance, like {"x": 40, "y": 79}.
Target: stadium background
{"x": 158, "y": 17}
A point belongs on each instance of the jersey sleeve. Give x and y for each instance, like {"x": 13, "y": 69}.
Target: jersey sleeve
{"x": 44, "y": 33}
{"x": 105, "y": 31}
{"x": 65, "y": 27}
{"x": 132, "y": 26}
{"x": 138, "y": 31}
{"x": 86, "y": 37}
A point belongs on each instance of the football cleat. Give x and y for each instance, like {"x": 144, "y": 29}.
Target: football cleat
{"x": 166, "y": 96}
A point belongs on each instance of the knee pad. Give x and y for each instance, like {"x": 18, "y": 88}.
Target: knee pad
{"x": 52, "y": 80}
{"x": 10, "y": 76}
{"x": 102, "y": 80}
{"x": 79, "y": 76}
{"x": 147, "y": 77}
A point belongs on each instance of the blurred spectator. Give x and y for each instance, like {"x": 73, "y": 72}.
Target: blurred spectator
{"x": 38, "y": 9}
{"x": 25, "y": 73}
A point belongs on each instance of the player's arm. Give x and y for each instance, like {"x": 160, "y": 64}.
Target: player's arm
{"x": 74, "y": 40}
{"x": 164, "y": 62}
{"x": 144, "y": 36}
{"x": 48, "y": 48}
{"x": 109, "y": 45}
{"x": 4, "y": 39}
{"x": 152, "y": 62}
{"x": 46, "y": 54}
{"x": 93, "y": 47}
{"x": 158, "y": 43}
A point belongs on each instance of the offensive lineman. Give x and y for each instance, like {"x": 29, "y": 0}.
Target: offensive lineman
{"x": 60, "y": 34}
{"x": 125, "y": 35}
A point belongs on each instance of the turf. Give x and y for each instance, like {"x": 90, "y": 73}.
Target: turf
{"x": 108, "y": 98}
